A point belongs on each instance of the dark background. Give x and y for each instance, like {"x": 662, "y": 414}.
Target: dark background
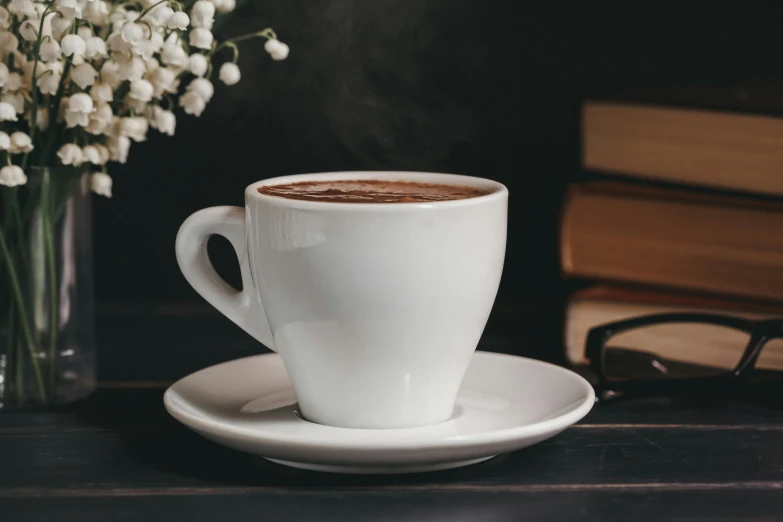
{"x": 488, "y": 88}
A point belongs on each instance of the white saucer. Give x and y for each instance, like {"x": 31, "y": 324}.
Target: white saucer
{"x": 505, "y": 403}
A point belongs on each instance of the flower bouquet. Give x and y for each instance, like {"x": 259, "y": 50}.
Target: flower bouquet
{"x": 81, "y": 81}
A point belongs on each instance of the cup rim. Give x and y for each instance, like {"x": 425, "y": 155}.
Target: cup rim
{"x": 497, "y": 190}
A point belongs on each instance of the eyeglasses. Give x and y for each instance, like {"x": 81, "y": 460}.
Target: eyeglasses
{"x": 665, "y": 353}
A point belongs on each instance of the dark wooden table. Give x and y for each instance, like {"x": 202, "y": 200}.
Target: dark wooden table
{"x": 118, "y": 456}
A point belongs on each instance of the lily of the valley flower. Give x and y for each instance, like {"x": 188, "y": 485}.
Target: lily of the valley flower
{"x": 119, "y": 147}
{"x": 198, "y": 64}
{"x": 95, "y": 47}
{"x": 178, "y": 20}
{"x": 132, "y": 33}
{"x": 60, "y": 24}
{"x": 191, "y": 103}
{"x": 5, "y": 18}
{"x": 13, "y": 82}
{"x": 84, "y": 75}
{"x": 201, "y": 38}
{"x": 96, "y": 12}
{"x": 96, "y": 154}
{"x": 163, "y": 120}
{"x": 141, "y": 90}
{"x": 80, "y": 107}
{"x": 276, "y": 49}
{"x": 100, "y": 119}
{"x": 164, "y": 80}
{"x": 134, "y": 128}
{"x": 70, "y": 9}
{"x": 101, "y": 93}
{"x": 73, "y": 45}
{"x": 229, "y": 73}
{"x": 202, "y": 88}
{"x": 20, "y": 142}
{"x": 202, "y": 14}
{"x": 12, "y": 176}
{"x": 49, "y": 77}
{"x": 101, "y": 184}
{"x": 5, "y": 141}
{"x": 50, "y": 50}
{"x": 70, "y": 154}
{"x": 7, "y": 112}
{"x": 15, "y": 100}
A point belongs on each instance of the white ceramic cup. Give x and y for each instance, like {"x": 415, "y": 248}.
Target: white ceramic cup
{"x": 375, "y": 308}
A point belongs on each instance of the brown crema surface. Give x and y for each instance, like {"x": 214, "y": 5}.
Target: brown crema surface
{"x": 371, "y": 191}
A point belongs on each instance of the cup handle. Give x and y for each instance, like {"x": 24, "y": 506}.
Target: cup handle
{"x": 244, "y": 308}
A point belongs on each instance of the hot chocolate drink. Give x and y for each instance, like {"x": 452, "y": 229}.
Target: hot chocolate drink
{"x": 371, "y": 191}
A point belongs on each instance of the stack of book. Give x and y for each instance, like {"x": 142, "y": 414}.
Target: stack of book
{"x": 686, "y": 213}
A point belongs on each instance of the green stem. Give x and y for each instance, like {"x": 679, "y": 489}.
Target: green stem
{"x": 267, "y": 33}
{"x": 47, "y": 208}
{"x": 17, "y": 292}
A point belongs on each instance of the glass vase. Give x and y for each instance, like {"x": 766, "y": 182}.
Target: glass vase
{"x": 47, "y": 338}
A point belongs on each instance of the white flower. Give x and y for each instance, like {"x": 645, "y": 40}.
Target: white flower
{"x": 3, "y": 74}
{"x": 7, "y": 112}
{"x": 202, "y": 14}
{"x": 70, "y": 9}
{"x": 276, "y": 49}
{"x": 147, "y": 48}
{"x": 141, "y": 90}
{"x": 29, "y": 29}
{"x": 229, "y": 73}
{"x": 132, "y": 33}
{"x": 97, "y": 13}
{"x": 95, "y": 47}
{"x": 42, "y": 118}
{"x": 174, "y": 55}
{"x": 178, "y": 20}
{"x": 60, "y": 24}
{"x": 15, "y": 100}
{"x": 134, "y": 128}
{"x": 192, "y": 103}
{"x": 118, "y": 45}
{"x": 5, "y": 141}
{"x": 110, "y": 73}
{"x": 159, "y": 15}
{"x": 198, "y": 64}
{"x": 22, "y": 8}
{"x": 96, "y": 154}
{"x": 70, "y": 154}
{"x": 5, "y": 18}
{"x": 50, "y": 50}
{"x": 20, "y": 142}
{"x": 224, "y": 6}
{"x": 72, "y": 44}
{"x": 13, "y": 82}
{"x": 152, "y": 65}
{"x": 132, "y": 69}
{"x": 80, "y": 107}
{"x": 84, "y": 75}
{"x": 12, "y": 176}
{"x": 84, "y": 32}
{"x": 100, "y": 183}
{"x": 202, "y": 88}
{"x": 201, "y": 38}
{"x": 100, "y": 119}
{"x": 8, "y": 42}
{"x": 49, "y": 77}
{"x": 101, "y": 93}
{"x": 119, "y": 148}
{"x": 164, "y": 80}
{"x": 163, "y": 120}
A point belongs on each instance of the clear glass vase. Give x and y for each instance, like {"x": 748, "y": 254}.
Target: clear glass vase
{"x": 47, "y": 335}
